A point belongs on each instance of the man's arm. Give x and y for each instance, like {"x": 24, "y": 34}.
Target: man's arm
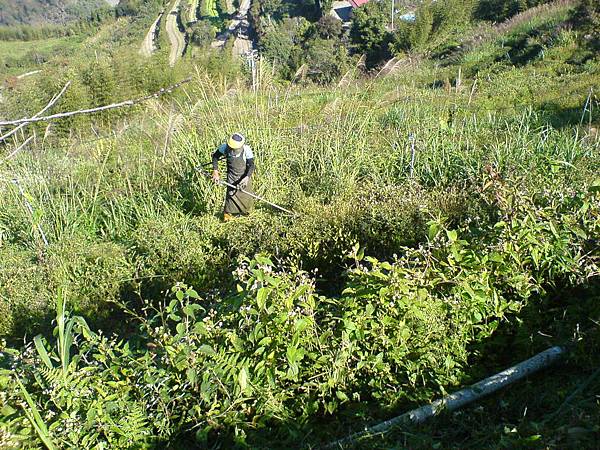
{"x": 215, "y": 159}
{"x": 243, "y": 183}
{"x": 250, "y": 167}
{"x": 215, "y": 164}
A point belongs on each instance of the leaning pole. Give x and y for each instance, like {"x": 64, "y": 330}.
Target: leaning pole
{"x": 463, "y": 397}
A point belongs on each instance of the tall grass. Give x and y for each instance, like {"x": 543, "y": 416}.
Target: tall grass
{"x": 318, "y": 151}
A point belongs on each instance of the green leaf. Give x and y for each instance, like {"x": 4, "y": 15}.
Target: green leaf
{"x": 291, "y": 353}
{"x": 192, "y": 293}
{"x": 188, "y": 310}
{"x": 243, "y": 379}
{"x": 434, "y": 229}
{"x": 192, "y": 375}
{"x": 301, "y": 324}
{"x": 7, "y": 410}
{"x": 360, "y": 254}
{"x": 180, "y": 328}
{"x": 179, "y": 295}
{"x": 36, "y": 419}
{"x": 263, "y": 260}
{"x": 265, "y": 341}
{"x": 43, "y": 354}
{"x": 349, "y": 325}
{"x": 341, "y": 396}
{"x": 206, "y": 349}
{"x": 261, "y": 297}
{"x": 452, "y": 235}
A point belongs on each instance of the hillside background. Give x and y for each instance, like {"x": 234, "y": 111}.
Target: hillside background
{"x": 32, "y": 12}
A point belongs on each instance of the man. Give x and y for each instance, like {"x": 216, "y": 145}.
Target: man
{"x": 240, "y": 167}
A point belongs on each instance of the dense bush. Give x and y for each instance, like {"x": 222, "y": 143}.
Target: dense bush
{"x": 137, "y": 7}
{"x": 456, "y": 206}
{"x": 25, "y": 296}
{"x": 202, "y": 33}
{"x": 278, "y": 350}
{"x": 587, "y": 16}
{"x": 499, "y": 10}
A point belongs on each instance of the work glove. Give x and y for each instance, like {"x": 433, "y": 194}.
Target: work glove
{"x": 243, "y": 183}
{"x": 215, "y": 176}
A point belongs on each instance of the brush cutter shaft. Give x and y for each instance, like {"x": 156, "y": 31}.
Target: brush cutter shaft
{"x": 257, "y": 197}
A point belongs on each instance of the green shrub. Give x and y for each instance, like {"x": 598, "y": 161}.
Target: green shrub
{"x": 179, "y": 248}
{"x": 91, "y": 273}
{"x": 277, "y": 350}
{"x": 25, "y": 295}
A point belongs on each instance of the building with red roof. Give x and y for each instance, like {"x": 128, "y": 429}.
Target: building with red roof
{"x": 342, "y": 10}
{"x": 357, "y": 3}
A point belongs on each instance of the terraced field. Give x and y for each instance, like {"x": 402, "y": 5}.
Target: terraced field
{"x": 208, "y": 8}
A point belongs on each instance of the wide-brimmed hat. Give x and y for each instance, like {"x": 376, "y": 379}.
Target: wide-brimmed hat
{"x": 236, "y": 141}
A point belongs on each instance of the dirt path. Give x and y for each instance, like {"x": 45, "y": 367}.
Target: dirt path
{"x": 239, "y": 21}
{"x": 148, "y": 46}
{"x": 193, "y": 17}
{"x": 241, "y": 46}
{"x": 176, "y": 37}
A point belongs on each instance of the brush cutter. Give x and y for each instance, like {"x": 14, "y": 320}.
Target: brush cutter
{"x": 237, "y": 188}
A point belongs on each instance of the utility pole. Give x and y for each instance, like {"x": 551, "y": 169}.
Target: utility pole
{"x": 251, "y": 61}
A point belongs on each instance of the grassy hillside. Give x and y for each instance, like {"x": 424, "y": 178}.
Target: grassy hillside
{"x": 447, "y": 226}
{"x": 18, "y": 12}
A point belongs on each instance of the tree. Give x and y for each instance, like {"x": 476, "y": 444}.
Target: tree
{"x": 326, "y": 59}
{"x": 325, "y": 7}
{"x": 369, "y": 34}
{"x": 450, "y": 14}
{"x": 281, "y": 45}
{"x": 423, "y": 26}
{"x": 203, "y": 33}
{"x": 328, "y": 27}
{"x": 272, "y": 8}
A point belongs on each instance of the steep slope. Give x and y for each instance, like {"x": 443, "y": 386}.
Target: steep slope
{"x": 446, "y": 226}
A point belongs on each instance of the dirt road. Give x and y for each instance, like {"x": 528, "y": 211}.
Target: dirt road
{"x": 242, "y": 45}
{"x": 176, "y": 37}
{"x": 193, "y": 16}
{"x": 148, "y": 46}
{"x": 239, "y": 20}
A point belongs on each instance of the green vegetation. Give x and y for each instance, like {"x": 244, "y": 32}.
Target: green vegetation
{"x": 47, "y": 11}
{"x": 18, "y": 56}
{"x": 447, "y": 226}
{"x": 208, "y": 8}
{"x": 498, "y": 10}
